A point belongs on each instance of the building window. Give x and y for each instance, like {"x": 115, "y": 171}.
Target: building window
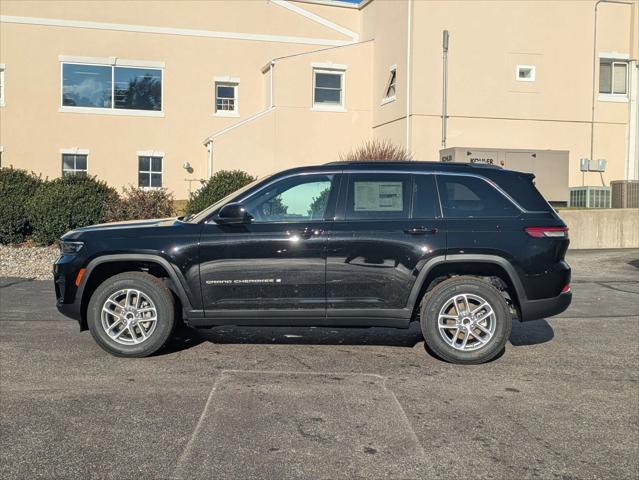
{"x": 137, "y": 88}
{"x": 111, "y": 87}
{"x": 613, "y": 77}
{"x": 525, "y": 73}
{"x": 149, "y": 171}
{"x": 74, "y": 164}
{"x": 1, "y": 85}
{"x": 226, "y": 98}
{"x": 390, "y": 94}
{"x": 328, "y": 89}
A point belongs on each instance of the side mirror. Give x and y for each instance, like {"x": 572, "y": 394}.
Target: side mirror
{"x": 232, "y": 213}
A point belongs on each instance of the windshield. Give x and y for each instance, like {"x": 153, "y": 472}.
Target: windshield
{"x": 198, "y": 217}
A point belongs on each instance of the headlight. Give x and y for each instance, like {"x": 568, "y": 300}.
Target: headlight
{"x": 70, "y": 248}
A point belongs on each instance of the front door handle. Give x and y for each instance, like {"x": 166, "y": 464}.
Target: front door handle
{"x": 306, "y": 233}
{"x": 420, "y": 231}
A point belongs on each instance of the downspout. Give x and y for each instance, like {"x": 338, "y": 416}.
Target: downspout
{"x": 209, "y": 147}
{"x": 271, "y": 69}
{"x": 632, "y": 164}
{"x": 444, "y": 85}
{"x": 633, "y": 124}
{"x": 270, "y": 86}
{"x": 408, "y": 74}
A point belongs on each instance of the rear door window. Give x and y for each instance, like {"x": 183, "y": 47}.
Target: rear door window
{"x": 378, "y": 196}
{"x": 472, "y": 197}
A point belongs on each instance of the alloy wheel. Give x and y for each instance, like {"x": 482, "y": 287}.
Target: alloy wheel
{"x": 129, "y": 317}
{"x": 467, "y": 322}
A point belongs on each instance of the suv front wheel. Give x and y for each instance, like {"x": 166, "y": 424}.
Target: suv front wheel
{"x": 465, "y": 320}
{"x": 131, "y": 314}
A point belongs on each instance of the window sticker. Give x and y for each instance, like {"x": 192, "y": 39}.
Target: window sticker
{"x": 378, "y": 197}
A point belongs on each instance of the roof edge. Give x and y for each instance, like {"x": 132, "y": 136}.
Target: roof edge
{"x": 337, "y": 3}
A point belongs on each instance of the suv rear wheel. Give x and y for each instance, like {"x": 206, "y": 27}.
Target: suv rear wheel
{"x": 131, "y": 314}
{"x": 465, "y": 320}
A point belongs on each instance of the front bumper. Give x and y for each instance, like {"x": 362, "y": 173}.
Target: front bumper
{"x": 65, "y": 270}
{"x": 546, "y": 307}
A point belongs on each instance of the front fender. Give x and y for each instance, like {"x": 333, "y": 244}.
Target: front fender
{"x": 188, "y": 299}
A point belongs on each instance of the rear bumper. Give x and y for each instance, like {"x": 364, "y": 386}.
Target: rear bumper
{"x": 546, "y": 307}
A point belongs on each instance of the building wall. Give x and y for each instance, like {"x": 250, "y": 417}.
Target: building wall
{"x": 33, "y": 130}
{"x": 487, "y": 106}
{"x": 388, "y": 23}
{"x": 244, "y": 16}
{"x": 292, "y": 134}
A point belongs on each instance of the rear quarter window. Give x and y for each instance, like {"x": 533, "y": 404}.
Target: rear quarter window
{"x": 521, "y": 187}
{"x": 472, "y": 197}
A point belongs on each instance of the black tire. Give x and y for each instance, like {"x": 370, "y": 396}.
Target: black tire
{"x": 440, "y": 296}
{"x": 151, "y": 287}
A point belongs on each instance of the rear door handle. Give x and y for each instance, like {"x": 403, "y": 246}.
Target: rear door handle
{"x": 420, "y": 231}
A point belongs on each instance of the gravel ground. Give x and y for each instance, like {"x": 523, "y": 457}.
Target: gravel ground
{"x": 27, "y": 261}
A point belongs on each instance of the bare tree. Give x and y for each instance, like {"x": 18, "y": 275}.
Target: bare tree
{"x": 377, "y": 151}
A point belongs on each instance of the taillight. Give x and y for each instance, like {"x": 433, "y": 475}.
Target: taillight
{"x": 552, "y": 232}
{"x": 566, "y": 289}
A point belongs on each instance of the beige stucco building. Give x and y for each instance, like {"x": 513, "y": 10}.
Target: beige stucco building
{"x": 133, "y": 91}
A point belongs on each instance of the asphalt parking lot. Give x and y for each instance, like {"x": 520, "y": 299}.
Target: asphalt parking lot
{"x": 274, "y": 403}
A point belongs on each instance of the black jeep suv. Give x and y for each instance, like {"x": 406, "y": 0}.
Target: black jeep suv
{"x": 461, "y": 248}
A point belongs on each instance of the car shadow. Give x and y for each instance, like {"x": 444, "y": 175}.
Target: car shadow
{"x": 523, "y": 333}
{"x": 531, "y": 333}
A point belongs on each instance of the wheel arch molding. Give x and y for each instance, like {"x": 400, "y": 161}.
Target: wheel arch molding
{"x": 131, "y": 262}
{"x": 466, "y": 264}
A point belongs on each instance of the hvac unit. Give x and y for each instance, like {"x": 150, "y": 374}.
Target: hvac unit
{"x": 590, "y": 197}
{"x": 625, "y": 193}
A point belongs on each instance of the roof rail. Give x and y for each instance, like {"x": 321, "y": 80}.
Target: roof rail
{"x": 414, "y": 162}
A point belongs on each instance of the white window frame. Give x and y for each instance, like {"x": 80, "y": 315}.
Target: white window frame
{"x": 74, "y": 151}
{"x": 113, "y": 62}
{"x": 150, "y": 153}
{"x": 614, "y": 58}
{"x": 533, "y": 73}
{"x": 392, "y": 98}
{"x": 330, "y": 68}
{"x": 227, "y": 81}
{"x": 2, "y": 85}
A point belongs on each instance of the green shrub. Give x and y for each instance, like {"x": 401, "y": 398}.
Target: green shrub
{"x": 16, "y": 188}
{"x": 220, "y": 185}
{"x": 138, "y": 204}
{"x": 66, "y": 203}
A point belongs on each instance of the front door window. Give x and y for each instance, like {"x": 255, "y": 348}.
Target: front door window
{"x": 291, "y": 200}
